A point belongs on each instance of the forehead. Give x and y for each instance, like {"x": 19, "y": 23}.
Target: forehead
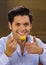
{"x": 20, "y": 18}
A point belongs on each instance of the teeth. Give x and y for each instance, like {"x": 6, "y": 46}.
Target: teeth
{"x": 21, "y": 33}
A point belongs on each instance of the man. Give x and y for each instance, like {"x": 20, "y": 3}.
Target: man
{"x": 13, "y": 50}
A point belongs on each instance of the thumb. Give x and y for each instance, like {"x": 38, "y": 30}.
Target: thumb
{"x": 34, "y": 40}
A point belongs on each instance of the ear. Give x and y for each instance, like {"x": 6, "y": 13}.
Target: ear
{"x": 30, "y": 26}
{"x": 10, "y": 25}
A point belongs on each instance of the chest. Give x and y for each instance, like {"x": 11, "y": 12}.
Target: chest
{"x": 28, "y": 59}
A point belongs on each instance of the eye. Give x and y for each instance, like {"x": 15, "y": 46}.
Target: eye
{"x": 26, "y": 24}
{"x": 17, "y": 24}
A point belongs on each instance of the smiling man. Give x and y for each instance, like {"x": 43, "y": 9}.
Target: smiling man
{"x": 20, "y": 48}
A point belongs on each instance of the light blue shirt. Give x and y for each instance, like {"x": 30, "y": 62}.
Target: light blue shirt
{"x": 17, "y": 58}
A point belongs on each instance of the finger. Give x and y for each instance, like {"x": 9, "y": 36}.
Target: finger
{"x": 14, "y": 46}
{"x": 34, "y": 39}
{"x": 10, "y": 39}
{"x": 27, "y": 44}
{"x": 13, "y": 43}
{"x": 29, "y": 50}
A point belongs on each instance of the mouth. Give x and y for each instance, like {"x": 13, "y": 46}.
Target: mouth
{"x": 21, "y": 36}
{"x": 22, "y": 33}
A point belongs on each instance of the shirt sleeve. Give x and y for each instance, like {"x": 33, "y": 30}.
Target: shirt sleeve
{"x": 43, "y": 57}
{"x": 4, "y": 59}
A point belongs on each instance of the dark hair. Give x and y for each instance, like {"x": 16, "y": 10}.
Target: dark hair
{"x": 21, "y": 10}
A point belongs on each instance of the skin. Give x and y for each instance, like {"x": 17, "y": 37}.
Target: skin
{"x": 21, "y": 26}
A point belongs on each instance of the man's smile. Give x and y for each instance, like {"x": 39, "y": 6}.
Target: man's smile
{"x": 22, "y": 33}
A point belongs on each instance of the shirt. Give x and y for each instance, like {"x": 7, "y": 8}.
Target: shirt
{"x": 17, "y": 58}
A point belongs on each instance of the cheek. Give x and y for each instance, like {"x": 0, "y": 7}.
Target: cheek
{"x": 28, "y": 28}
{"x": 14, "y": 30}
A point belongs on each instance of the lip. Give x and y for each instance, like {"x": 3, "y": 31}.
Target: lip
{"x": 22, "y": 33}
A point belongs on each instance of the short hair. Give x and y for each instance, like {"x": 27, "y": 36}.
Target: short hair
{"x": 21, "y": 10}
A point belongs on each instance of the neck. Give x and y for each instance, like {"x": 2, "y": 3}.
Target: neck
{"x": 22, "y": 45}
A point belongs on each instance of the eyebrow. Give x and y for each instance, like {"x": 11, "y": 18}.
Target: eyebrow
{"x": 21, "y": 23}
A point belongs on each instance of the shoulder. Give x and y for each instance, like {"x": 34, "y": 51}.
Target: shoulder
{"x": 4, "y": 39}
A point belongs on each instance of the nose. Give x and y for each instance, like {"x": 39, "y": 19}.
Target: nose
{"x": 22, "y": 27}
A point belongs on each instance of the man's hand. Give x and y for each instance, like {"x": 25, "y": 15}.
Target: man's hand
{"x": 10, "y": 46}
{"x": 33, "y": 48}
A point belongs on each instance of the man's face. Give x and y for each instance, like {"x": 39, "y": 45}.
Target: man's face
{"x": 21, "y": 26}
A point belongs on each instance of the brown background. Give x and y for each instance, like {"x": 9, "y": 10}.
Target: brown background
{"x": 38, "y": 8}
